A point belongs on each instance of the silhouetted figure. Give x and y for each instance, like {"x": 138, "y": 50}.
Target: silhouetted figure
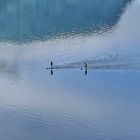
{"x": 51, "y": 68}
{"x": 86, "y": 68}
{"x": 51, "y": 64}
{"x": 85, "y": 65}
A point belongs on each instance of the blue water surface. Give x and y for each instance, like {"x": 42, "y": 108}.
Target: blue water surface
{"x": 69, "y": 101}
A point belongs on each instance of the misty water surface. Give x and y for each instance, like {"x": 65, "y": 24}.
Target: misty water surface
{"x": 69, "y": 105}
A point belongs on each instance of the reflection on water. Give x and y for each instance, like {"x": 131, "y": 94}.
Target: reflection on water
{"x": 60, "y": 102}
{"x": 44, "y": 18}
{"x": 102, "y": 105}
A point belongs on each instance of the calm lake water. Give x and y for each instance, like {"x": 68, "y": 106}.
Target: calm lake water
{"x": 68, "y": 102}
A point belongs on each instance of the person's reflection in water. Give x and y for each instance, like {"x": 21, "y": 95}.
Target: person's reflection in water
{"x": 85, "y": 71}
{"x": 51, "y": 71}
